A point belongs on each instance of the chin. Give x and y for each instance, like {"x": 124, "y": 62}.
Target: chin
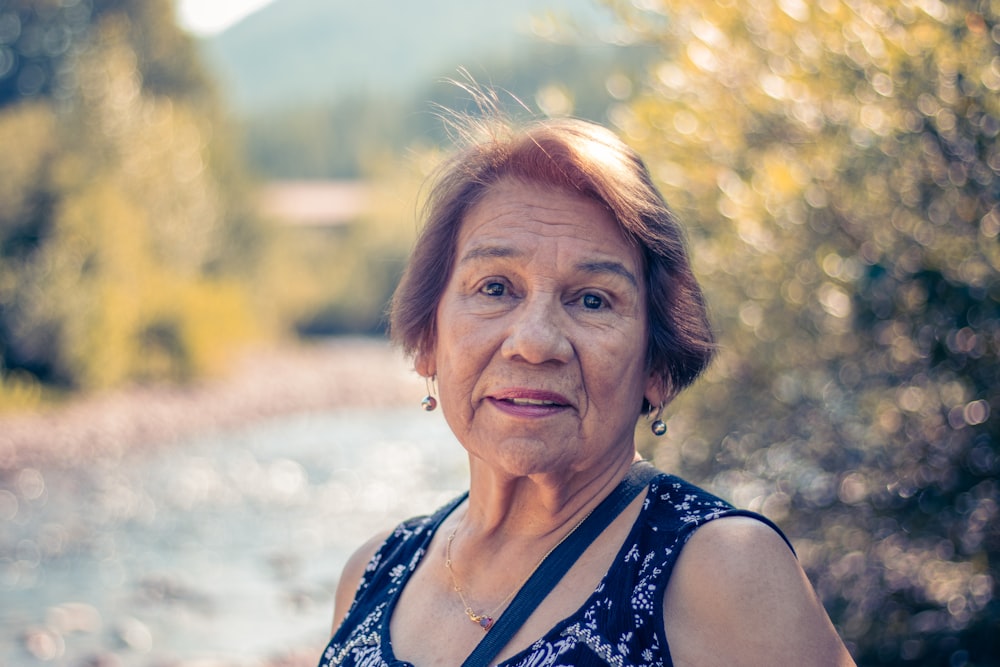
{"x": 522, "y": 457}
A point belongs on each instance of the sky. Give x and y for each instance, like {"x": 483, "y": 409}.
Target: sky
{"x": 204, "y": 17}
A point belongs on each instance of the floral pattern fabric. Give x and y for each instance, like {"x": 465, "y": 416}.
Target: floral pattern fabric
{"x": 620, "y": 625}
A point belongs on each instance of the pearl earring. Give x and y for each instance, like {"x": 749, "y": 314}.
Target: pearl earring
{"x": 658, "y": 427}
{"x": 429, "y": 403}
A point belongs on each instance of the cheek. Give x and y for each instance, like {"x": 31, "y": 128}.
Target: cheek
{"x": 462, "y": 332}
{"x": 461, "y": 355}
{"x": 617, "y": 368}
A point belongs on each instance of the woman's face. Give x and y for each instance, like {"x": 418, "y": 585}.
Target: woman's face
{"x": 541, "y": 333}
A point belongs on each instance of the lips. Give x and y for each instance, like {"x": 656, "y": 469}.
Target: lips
{"x": 529, "y": 401}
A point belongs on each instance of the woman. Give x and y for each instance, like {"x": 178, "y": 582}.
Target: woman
{"x": 550, "y": 298}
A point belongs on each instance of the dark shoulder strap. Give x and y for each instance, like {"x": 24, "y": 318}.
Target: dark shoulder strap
{"x": 767, "y": 522}
{"x": 557, "y": 563}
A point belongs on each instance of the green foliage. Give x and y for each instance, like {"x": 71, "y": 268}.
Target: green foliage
{"x": 838, "y": 165}
{"x": 41, "y": 39}
{"x": 125, "y": 236}
{"x": 36, "y": 37}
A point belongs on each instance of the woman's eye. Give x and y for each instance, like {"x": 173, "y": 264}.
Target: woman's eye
{"x": 592, "y": 301}
{"x": 494, "y": 289}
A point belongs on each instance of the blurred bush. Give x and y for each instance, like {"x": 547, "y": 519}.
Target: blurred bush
{"x": 838, "y": 165}
{"x": 127, "y": 238}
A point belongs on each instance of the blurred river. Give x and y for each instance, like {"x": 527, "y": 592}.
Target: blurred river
{"x": 221, "y": 550}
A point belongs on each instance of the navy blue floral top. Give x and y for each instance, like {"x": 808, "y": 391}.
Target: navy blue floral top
{"x": 621, "y": 624}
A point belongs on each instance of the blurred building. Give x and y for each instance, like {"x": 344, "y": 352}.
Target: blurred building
{"x": 319, "y": 203}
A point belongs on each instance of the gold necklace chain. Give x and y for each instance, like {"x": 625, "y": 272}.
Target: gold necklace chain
{"x": 485, "y": 620}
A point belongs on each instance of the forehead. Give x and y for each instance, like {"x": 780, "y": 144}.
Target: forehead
{"x": 514, "y": 214}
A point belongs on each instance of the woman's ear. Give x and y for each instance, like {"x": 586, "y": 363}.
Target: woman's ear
{"x": 657, "y": 392}
{"x": 424, "y": 363}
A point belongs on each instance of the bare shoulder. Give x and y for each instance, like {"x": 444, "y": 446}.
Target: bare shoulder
{"x": 738, "y": 596}
{"x": 350, "y": 577}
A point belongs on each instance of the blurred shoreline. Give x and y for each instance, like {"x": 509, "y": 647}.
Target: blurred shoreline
{"x": 265, "y": 382}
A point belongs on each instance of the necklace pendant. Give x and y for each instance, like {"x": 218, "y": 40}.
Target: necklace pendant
{"x": 484, "y": 621}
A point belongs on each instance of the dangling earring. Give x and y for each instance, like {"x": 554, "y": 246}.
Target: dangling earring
{"x": 429, "y": 401}
{"x": 658, "y": 427}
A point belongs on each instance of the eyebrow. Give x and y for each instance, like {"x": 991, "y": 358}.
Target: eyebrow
{"x": 616, "y": 268}
{"x": 488, "y": 252}
{"x": 595, "y": 267}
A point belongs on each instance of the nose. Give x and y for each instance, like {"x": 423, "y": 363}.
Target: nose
{"x": 538, "y": 333}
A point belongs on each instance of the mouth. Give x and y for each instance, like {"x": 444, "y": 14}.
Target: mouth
{"x": 529, "y": 401}
{"x": 533, "y": 401}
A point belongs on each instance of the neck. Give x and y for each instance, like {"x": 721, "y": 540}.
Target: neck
{"x": 510, "y": 527}
{"x": 535, "y": 506}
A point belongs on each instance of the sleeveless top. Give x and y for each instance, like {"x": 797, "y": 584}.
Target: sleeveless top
{"x": 621, "y": 624}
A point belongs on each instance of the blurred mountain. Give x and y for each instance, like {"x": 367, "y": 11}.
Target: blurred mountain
{"x": 296, "y": 52}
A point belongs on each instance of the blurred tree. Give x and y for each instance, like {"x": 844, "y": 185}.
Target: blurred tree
{"x": 126, "y": 238}
{"x": 36, "y": 39}
{"x": 838, "y": 165}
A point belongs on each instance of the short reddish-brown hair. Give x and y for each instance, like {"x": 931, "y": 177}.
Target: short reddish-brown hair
{"x": 586, "y": 158}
